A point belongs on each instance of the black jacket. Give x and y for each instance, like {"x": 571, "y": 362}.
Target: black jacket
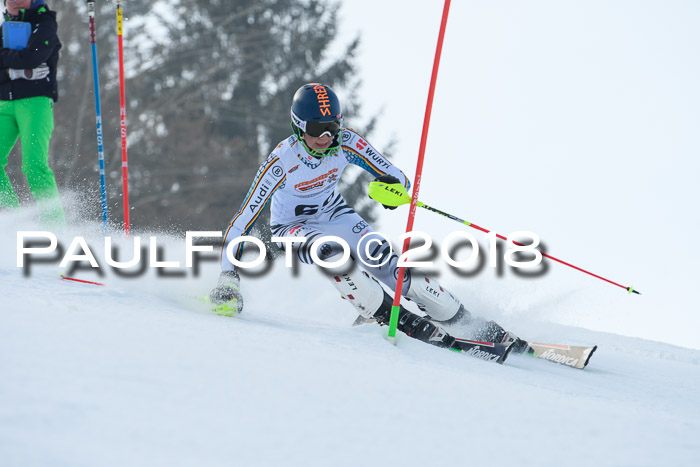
{"x": 43, "y": 47}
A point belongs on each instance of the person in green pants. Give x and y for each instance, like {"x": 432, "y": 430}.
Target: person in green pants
{"x": 28, "y": 91}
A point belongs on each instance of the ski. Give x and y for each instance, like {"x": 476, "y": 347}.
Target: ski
{"x": 575, "y": 356}
{"x": 362, "y": 320}
{"x": 488, "y": 351}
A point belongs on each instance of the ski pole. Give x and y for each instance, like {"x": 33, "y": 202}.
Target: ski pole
{"x": 122, "y": 118}
{"x": 394, "y": 194}
{"x": 394, "y": 318}
{"x": 98, "y": 115}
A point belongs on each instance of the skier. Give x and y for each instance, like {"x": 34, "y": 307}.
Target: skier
{"x": 300, "y": 179}
{"x": 27, "y": 94}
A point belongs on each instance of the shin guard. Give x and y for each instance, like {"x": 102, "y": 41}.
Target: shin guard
{"x": 432, "y": 298}
{"x": 364, "y": 293}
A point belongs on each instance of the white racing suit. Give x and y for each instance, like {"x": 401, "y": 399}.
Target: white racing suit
{"x": 305, "y": 202}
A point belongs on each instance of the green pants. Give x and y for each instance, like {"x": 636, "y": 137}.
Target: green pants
{"x": 30, "y": 120}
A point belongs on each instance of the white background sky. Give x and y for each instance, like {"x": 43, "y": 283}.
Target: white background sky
{"x": 575, "y": 120}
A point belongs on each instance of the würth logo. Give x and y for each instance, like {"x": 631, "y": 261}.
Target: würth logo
{"x": 324, "y": 103}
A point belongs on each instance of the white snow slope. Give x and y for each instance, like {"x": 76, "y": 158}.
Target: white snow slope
{"x": 140, "y": 373}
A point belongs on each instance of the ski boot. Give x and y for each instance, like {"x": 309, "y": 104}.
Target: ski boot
{"x": 417, "y": 327}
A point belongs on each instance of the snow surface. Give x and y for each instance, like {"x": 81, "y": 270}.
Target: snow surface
{"x": 138, "y": 372}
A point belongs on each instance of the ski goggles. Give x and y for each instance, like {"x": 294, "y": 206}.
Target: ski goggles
{"x": 318, "y": 129}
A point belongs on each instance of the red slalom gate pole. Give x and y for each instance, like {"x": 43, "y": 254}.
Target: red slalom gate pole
{"x": 73, "y": 279}
{"x": 122, "y": 118}
{"x": 394, "y": 320}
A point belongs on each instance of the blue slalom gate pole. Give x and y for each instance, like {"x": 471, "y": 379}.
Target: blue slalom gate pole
{"x": 98, "y": 116}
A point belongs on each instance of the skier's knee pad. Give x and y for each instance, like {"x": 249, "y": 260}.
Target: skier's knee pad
{"x": 432, "y": 298}
{"x": 363, "y": 292}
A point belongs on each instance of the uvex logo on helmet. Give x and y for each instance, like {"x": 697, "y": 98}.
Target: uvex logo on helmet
{"x": 324, "y": 102}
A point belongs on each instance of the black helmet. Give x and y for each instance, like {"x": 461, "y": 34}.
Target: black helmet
{"x": 315, "y": 111}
